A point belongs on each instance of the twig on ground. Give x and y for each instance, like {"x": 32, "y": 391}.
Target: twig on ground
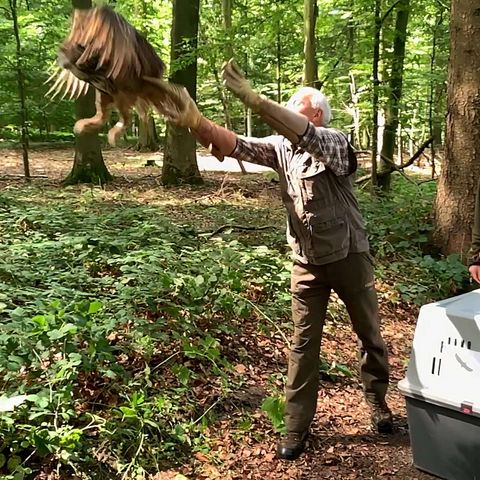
{"x": 234, "y": 227}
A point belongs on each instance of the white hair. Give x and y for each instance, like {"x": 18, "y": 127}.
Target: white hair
{"x": 317, "y": 98}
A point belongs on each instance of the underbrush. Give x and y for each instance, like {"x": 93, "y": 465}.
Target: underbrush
{"x": 120, "y": 332}
{"x": 125, "y": 333}
{"x": 400, "y": 228}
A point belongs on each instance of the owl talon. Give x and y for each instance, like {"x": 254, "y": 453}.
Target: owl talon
{"x": 114, "y": 133}
{"x": 79, "y": 127}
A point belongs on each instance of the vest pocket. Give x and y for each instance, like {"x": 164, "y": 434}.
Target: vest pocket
{"x": 329, "y": 230}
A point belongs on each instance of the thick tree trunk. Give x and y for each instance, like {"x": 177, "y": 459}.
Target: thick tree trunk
{"x": 179, "y": 160}
{"x": 180, "y": 146}
{"x": 310, "y": 72}
{"x": 454, "y": 207}
{"x": 88, "y": 164}
{"x": 395, "y": 94}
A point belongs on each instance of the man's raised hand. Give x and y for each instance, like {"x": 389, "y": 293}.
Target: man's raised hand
{"x": 176, "y": 104}
{"x": 235, "y": 81}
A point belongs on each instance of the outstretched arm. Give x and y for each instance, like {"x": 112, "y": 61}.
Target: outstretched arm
{"x": 288, "y": 123}
{"x": 327, "y": 144}
{"x": 175, "y": 103}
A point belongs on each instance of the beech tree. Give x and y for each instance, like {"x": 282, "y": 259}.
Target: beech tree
{"x": 88, "y": 163}
{"x": 179, "y": 160}
{"x": 461, "y": 169}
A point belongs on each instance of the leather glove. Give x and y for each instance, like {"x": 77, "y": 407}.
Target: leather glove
{"x": 175, "y": 103}
{"x": 286, "y": 122}
{"x": 236, "y": 82}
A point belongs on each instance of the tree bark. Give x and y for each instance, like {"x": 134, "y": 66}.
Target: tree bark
{"x": 147, "y": 135}
{"x": 395, "y": 92}
{"x": 376, "y": 84}
{"x": 88, "y": 164}
{"x": 454, "y": 206}
{"x": 227, "y": 27}
{"x": 310, "y": 72}
{"x": 179, "y": 160}
{"x": 21, "y": 90}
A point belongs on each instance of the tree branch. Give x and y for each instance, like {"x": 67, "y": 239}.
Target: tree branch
{"x": 417, "y": 154}
{"x": 389, "y": 11}
{"x": 397, "y": 168}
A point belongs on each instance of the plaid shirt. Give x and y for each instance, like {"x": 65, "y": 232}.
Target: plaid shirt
{"x": 327, "y": 145}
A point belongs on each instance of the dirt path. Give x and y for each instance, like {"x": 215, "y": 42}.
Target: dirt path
{"x": 342, "y": 445}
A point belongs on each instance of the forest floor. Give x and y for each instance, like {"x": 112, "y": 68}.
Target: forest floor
{"x": 342, "y": 445}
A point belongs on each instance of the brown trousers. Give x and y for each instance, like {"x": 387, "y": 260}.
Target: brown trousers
{"x": 353, "y": 280}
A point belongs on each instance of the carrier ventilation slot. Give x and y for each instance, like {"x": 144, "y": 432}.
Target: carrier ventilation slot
{"x": 439, "y": 365}
{"x": 433, "y": 366}
{"x": 462, "y": 344}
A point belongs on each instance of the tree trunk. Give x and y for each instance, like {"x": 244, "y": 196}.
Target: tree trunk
{"x": 310, "y": 73}
{"x": 433, "y": 122}
{"x": 147, "y": 135}
{"x": 227, "y": 27}
{"x": 88, "y": 164}
{"x": 376, "y": 85}
{"x": 21, "y": 90}
{"x": 179, "y": 160}
{"x": 395, "y": 94}
{"x": 454, "y": 206}
{"x": 180, "y": 152}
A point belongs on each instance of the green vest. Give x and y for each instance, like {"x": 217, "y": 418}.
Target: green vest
{"x": 324, "y": 220}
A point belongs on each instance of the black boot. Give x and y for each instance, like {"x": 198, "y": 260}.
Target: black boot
{"x": 382, "y": 418}
{"x": 292, "y": 445}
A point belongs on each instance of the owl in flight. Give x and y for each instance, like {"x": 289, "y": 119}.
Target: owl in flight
{"x": 103, "y": 50}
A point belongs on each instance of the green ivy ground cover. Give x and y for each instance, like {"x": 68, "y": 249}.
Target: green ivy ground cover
{"x": 120, "y": 320}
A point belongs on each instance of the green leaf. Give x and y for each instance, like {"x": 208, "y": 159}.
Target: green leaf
{"x": 94, "y": 307}
{"x": 13, "y": 462}
{"x": 128, "y": 412}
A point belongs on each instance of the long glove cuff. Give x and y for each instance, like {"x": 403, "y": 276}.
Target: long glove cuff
{"x": 219, "y": 141}
{"x": 286, "y": 122}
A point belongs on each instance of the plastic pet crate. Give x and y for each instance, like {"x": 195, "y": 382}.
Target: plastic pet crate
{"x": 442, "y": 388}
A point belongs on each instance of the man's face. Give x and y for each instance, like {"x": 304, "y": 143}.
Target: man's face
{"x": 304, "y": 106}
